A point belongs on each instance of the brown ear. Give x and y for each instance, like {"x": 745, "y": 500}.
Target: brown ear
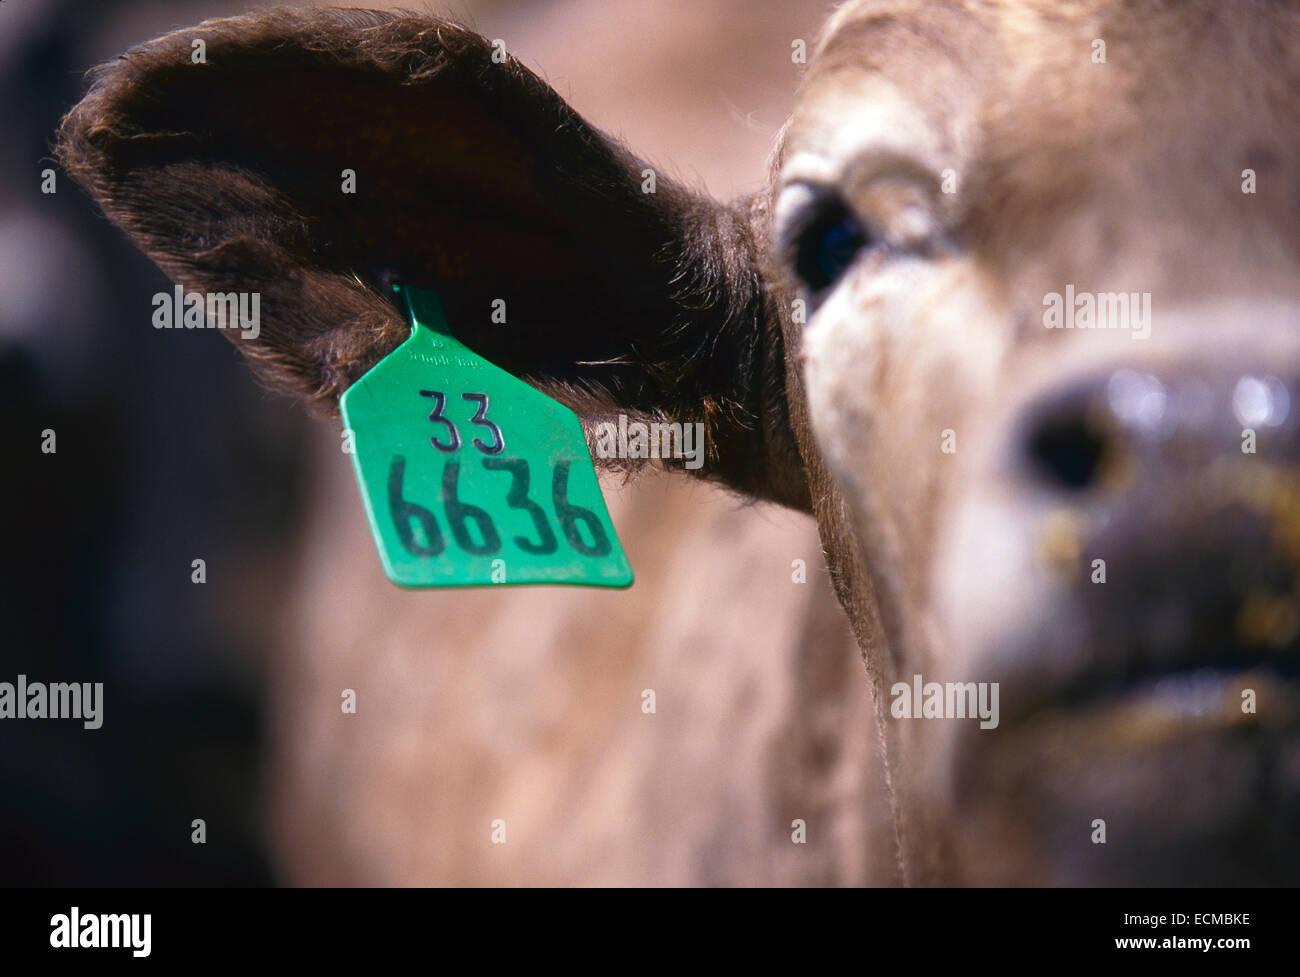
{"x": 472, "y": 178}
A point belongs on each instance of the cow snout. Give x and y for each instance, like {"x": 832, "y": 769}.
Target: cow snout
{"x": 1173, "y": 518}
{"x": 1130, "y": 425}
{"x": 1124, "y": 562}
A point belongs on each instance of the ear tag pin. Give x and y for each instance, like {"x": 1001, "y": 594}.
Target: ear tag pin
{"x": 470, "y": 476}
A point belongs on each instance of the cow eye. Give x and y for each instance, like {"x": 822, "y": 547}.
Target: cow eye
{"x": 827, "y": 245}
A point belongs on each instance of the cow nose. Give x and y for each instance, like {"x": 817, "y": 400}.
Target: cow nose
{"x": 1129, "y": 424}
{"x": 1067, "y": 442}
{"x": 1186, "y": 485}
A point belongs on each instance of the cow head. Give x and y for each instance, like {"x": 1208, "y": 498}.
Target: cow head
{"x": 1065, "y": 512}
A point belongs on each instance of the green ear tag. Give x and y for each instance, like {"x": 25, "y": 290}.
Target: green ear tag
{"x": 470, "y": 476}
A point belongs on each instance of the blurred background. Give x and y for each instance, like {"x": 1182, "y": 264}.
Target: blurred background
{"x": 221, "y": 699}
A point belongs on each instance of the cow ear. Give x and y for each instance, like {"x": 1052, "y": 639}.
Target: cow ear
{"x": 313, "y": 156}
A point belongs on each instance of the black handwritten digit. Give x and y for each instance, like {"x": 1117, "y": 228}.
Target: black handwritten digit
{"x": 518, "y": 499}
{"x": 403, "y": 512}
{"x": 460, "y": 513}
{"x": 570, "y": 515}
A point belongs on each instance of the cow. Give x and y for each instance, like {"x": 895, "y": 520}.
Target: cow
{"x": 1014, "y": 321}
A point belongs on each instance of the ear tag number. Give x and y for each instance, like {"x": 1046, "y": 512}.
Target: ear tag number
{"x": 469, "y": 475}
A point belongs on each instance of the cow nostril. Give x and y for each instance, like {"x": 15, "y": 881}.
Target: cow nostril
{"x": 1068, "y": 450}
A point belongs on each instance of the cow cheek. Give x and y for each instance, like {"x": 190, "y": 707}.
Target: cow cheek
{"x": 900, "y": 364}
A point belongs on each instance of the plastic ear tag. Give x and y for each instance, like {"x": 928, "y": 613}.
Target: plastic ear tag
{"x": 469, "y": 475}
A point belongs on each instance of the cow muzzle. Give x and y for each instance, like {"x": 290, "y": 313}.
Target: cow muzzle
{"x": 1126, "y": 566}
{"x": 1176, "y": 528}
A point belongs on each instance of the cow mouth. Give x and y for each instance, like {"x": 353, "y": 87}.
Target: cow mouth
{"x": 1225, "y": 693}
{"x": 1233, "y": 688}
{"x": 1216, "y": 639}
{"x": 1199, "y": 784}
{"x": 1182, "y": 628}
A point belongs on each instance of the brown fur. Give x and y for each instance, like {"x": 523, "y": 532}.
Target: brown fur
{"x": 475, "y": 178}
{"x": 479, "y": 181}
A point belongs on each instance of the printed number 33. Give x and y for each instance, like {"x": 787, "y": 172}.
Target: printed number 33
{"x": 452, "y": 444}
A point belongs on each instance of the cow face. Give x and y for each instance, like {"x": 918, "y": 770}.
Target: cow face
{"x": 1050, "y": 260}
{"x": 865, "y": 342}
